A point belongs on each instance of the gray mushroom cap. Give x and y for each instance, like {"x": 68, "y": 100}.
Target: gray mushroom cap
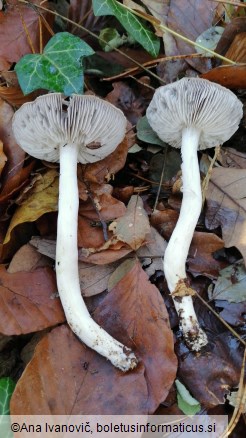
{"x": 194, "y": 102}
{"x": 43, "y": 126}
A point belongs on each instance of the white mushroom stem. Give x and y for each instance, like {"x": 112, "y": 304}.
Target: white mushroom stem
{"x": 67, "y": 271}
{"x": 179, "y": 243}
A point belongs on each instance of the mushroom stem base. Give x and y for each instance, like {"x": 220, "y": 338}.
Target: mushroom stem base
{"x": 194, "y": 336}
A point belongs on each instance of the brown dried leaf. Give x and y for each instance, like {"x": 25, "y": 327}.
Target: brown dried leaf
{"x": 102, "y": 171}
{"x": 203, "y": 245}
{"x": 3, "y": 157}
{"x": 230, "y": 157}
{"x": 226, "y": 205}
{"x": 201, "y": 260}
{"x": 27, "y": 302}
{"x": 113, "y": 253}
{"x": 133, "y": 228}
{"x": 151, "y": 254}
{"x": 94, "y": 278}
{"x": 233, "y": 313}
{"x": 237, "y": 50}
{"x": 21, "y": 19}
{"x": 211, "y": 374}
{"x": 233, "y": 28}
{"x": 132, "y": 312}
{"x": 230, "y": 76}
{"x": 28, "y": 259}
{"x": 190, "y": 18}
{"x": 14, "y": 96}
{"x": 63, "y": 365}
{"x": 125, "y": 98}
{"x": 13, "y": 152}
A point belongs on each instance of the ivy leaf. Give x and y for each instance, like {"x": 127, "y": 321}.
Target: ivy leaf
{"x": 134, "y": 26}
{"x": 145, "y": 133}
{"x": 59, "y": 68}
{"x": 7, "y": 386}
{"x": 188, "y": 404}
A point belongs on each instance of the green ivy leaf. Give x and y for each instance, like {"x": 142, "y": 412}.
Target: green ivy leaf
{"x": 134, "y": 26}
{"x": 188, "y": 404}
{"x": 7, "y": 386}
{"x": 146, "y": 133}
{"x": 59, "y": 68}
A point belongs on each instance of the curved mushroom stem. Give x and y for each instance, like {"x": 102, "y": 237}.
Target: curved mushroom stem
{"x": 67, "y": 272}
{"x": 179, "y": 243}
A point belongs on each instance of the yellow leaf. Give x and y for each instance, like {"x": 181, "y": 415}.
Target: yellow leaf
{"x": 42, "y": 198}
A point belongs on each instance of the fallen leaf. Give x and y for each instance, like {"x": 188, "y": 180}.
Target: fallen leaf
{"x": 63, "y": 365}
{"x": 231, "y": 284}
{"x": 188, "y": 404}
{"x": 226, "y": 206}
{"x": 103, "y": 257}
{"x": 133, "y": 228}
{"x": 147, "y": 320}
{"x": 230, "y": 157}
{"x": 151, "y": 254}
{"x": 235, "y": 27}
{"x": 28, "y": 259}
{"x": 3, "y": 157}
{"x": 24, "y": 24}
{"x": 81, "y": 12}
{"x": 103, "y": 170}
{"x": 41, "y": 199}
{"x": 27, "y": 301}
{"x": 210, "y": 374}
{"x": 236, "y": 51}
{"x": 14, "y": 96}
{"x": 94, "y": 278}
{"x": 200, "y": 259}
{"x": 232, "y": 313}
{"x": 132, "y": 312}
{"x": 125, "y": 98}
{"x": 191, "y": 19}
{"x": 203, "y": 245}
{"x": 230, "y": 76}
{"x": 14, "y": 153}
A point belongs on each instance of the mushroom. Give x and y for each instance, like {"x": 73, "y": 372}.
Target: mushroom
{"x": 191, "y": 114}
{"x": 85, "y": 129}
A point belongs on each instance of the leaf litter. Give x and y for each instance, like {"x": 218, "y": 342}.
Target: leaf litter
{"x": 118, "y": 248}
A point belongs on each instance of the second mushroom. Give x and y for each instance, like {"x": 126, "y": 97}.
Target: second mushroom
{"x": 190, "y": 114}
{"x": 84, "y": 129}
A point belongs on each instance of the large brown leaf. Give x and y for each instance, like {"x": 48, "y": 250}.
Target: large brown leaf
{"x": 65, "y": 377}
{"x": 134, "y": 313}
{"x": 226, "y": 206}
{"x": 210, "y": 375}
{"x": 27, "y": 301}
{"x": 24, "y": 24}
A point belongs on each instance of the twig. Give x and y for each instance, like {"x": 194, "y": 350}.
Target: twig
{"x": 209, "y": 172}
{"x": 153, "y": 63}
{"x": 161, "y": 178}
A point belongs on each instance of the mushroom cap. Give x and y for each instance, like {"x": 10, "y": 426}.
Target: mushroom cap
{"x": 41, "y": 127}
{"x": 197, "y": 103}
